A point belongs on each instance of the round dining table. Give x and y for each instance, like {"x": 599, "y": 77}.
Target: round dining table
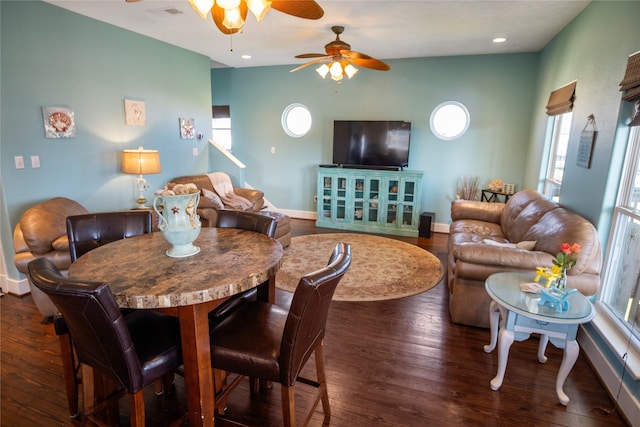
{"x": 141, "y": 275}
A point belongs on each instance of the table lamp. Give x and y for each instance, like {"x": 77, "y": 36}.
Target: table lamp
{"x": 140, "y": 162}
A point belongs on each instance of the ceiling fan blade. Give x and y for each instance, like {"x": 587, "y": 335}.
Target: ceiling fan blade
{"x": 311, "y": 55}
{"x": 217, "y": 14}
{"x": 307, "y": 9}
{"x": 363, "y": 60}
{"x": 315, "y": 61}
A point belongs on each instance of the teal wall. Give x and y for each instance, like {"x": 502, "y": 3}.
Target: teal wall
{"x": 52, "y": 57}
{"x": 497, "y": 90}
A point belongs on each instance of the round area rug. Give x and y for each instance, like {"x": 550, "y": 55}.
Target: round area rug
{"x": 381, "y": 268}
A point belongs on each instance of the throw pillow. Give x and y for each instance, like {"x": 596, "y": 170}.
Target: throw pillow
{"x": 212, "y": 197}
{"x": 526, "y": 244}
{"x": 499, "y": 244}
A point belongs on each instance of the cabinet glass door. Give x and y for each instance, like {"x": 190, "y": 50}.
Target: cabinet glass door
{"x": 373, "y": 194}
{"x": 358, "y": 200}
{"x": 408, "y": 196}
{"x": 327, "y": 189}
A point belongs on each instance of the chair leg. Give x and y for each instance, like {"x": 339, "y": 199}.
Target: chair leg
{"x": 136, "y": 409}
{"x": 69, "y": 373}
{"x": 288, "y": 406}
{"x": 322, "y": 379}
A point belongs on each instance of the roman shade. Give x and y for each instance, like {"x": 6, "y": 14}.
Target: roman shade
{"x": 561, "y": 100}
{"x": 220, "y": 112}
{"x": 630, "y": 86}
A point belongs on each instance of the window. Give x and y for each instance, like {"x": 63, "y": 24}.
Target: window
{"x": 296, "y": 120}
{"x": 557, "y": 155}
{"x": 221, "y": 125}
{"x": 449, "y": 120}
{"x": 621, "y": 283}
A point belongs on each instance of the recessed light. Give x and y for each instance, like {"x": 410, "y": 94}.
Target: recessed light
{"x": 246, "y": 57}
{"x": 499, "y": 40}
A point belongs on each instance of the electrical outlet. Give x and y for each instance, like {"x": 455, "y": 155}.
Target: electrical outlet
{"x": 19, "y": 160}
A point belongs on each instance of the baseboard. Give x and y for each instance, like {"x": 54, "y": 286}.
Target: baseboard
{"x": 628, "y": 405}
{"x": 15, "y": 287}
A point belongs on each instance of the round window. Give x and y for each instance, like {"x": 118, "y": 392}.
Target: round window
{"x": 449, "y": 120}
{"x": 296, "y": 120}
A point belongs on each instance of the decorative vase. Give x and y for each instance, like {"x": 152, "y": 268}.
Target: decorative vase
{"x": 561, "y": 283}
{"x": 179, "y": 223}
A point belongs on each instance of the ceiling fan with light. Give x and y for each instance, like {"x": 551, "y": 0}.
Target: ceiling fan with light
{"x": 341, "y": 59}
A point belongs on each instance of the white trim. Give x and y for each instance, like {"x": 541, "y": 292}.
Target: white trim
{"x": 628, "y": 404}
{"x": 618, "y": 342}
{"x": 16, "y": 287}
{"x": 227, "y": 154}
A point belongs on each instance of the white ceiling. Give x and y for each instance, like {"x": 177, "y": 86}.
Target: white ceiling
{"x": 382, "y": 29}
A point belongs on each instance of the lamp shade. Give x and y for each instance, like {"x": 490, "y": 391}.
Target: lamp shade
{"x": 141, "y": 161}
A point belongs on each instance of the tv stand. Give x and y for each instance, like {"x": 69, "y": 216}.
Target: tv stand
{"x": 374, "y": 201}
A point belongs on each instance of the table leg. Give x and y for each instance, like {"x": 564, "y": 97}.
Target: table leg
{"x": 569, "y": 358}
{"x": 494, "y": 317}
{"x": 196, "y": 354}
{"x": 505, "y": 340}
{"x": 544, "y": 340}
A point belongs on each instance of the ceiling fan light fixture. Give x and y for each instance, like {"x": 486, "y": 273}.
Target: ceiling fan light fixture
{"x": 229, "y": 4}
{"x": 259, "y": 8}
{"x": 350, "y": 70}
{"x": 336, "y": 70}
{"x": 202, "y": 7}
{"x": 233, "y": 19}
{"x": 323, "y": 70}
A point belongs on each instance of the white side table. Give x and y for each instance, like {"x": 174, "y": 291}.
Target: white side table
{"x": 522, "y": 316}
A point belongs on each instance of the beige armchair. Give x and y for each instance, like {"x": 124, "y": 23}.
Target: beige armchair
{"x": 42, "y": 233}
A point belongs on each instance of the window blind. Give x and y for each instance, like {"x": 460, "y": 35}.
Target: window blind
{"x": 630, "y": 86}
{"x": 561, "y": 100}
{"x": 220, "y": 112}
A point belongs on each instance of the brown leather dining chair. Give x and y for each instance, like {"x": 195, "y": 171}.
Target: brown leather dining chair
{"x": 251, "y": 221}
{"x": 132, "y": 351}
{"x": 86, "y": 232}
{"x": 267, "y": 342}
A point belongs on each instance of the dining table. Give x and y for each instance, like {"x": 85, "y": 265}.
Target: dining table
{"x": 141, "y": 275}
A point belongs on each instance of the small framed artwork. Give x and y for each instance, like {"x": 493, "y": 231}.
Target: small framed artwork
{"x": 134, "y": 112}
{"x": 585, "y": 148}
{"x": 187, "y": 128}
{"x": 59, "y": 122}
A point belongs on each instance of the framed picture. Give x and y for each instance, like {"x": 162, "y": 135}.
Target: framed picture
{"x": 59, "y": 122}
{"x": 585, "y": 148}
{"x": 187, "y": 128}
{"x": 134, "y": 112}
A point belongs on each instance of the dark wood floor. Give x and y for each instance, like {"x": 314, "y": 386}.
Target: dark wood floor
{"x": 390, "y": 363}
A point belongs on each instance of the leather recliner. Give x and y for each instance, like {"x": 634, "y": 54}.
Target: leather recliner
{"x": 42, "y": 233}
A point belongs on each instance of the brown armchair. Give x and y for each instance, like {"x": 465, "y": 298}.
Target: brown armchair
{"x": 208, "y": 208}
{"x": 42, "y": 233}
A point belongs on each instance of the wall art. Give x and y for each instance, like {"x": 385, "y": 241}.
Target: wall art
{"x": 59, "y": 122}
{"x": 134, "y": 112}
{"x": 187, "y": 128}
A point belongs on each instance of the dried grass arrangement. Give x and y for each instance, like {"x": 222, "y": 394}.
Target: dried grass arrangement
{"x": 468, "y": 189}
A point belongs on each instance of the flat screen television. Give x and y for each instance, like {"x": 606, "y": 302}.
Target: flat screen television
{"x": 371, "y": 143}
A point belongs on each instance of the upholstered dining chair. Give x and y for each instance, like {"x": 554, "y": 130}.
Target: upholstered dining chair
{"x": 133, "y": 351}
{"x": 84, "y": 233}
{"x": 228, "y": 218}
{"x": 89, "y": 231}
{"x": 267, "y": 342}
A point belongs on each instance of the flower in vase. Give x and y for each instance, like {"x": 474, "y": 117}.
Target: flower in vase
{"x": 564, "y": 260}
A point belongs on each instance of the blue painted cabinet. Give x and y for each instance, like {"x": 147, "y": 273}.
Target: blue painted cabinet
{"x": 375, "y": 201}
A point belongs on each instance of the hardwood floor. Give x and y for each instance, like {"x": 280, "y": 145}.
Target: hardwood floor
{"x": 389, "y": 363}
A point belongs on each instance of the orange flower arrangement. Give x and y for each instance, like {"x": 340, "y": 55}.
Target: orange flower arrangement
{"x": 564, "y": 259}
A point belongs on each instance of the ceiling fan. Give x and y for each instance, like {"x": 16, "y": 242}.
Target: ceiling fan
{"x": 341, "y": 59}
{"x": 230, "y": 15}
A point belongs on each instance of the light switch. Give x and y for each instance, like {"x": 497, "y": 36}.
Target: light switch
{"x": 19, "y": 162}
{"x": 273, "y": 150}
{"x": 194, "y": 152}
{"x": 35, "y": 161}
